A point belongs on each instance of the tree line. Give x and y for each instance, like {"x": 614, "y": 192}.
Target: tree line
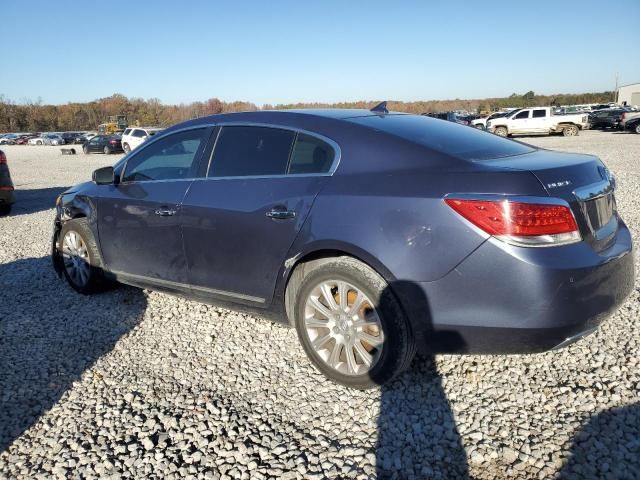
{"x": 34, "y": 116}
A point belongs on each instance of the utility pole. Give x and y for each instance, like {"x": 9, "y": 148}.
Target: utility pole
{"x": 615, "y": 91}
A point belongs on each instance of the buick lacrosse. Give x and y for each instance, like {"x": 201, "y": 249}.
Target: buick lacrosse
{"x": 374, "y": 234}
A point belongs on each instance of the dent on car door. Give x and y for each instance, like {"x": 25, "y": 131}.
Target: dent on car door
{"x": 239, "y": 222}
{"x": 139, "y": 217}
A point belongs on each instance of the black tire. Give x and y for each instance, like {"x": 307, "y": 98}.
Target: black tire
{"x": 570, "y": 131}
{"x": 637, "y": 129}
{"x": 398, "y": 348}
{"x": 126, "y": 148}
{"x": 5, "y": 209}
{"x": 38, "y": 143}
{"x": 85, "y": 149}
{"x": 501, "y": 131}
{"x": 96, "y": 281}
{"x": 107, "y": 151}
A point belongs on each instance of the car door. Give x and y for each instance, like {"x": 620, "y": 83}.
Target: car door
{"x": 520, "y": 122}
{"x": 139, "y": 217}
{"x": 540, "y": 121}
{"x": 239, "y": 223}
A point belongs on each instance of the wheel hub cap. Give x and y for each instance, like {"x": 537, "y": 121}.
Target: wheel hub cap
{"x": 76, "y": 258}
{"x": 343, "y": 327}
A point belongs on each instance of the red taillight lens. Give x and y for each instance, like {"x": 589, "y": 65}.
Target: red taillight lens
{"x": 522, "y": 223}
{"x": 113, "y": 142}
{"x": 3, "y": 158}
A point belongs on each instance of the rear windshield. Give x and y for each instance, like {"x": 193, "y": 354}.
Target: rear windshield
{"x": 459, "y": 141}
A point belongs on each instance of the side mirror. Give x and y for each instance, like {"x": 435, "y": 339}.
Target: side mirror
{"x": 104, "y": 176}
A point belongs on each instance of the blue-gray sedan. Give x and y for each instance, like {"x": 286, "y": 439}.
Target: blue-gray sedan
{"x": 375, "y": 234}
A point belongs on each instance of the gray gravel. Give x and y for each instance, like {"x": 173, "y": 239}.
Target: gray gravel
{"x": 133, "y": 384}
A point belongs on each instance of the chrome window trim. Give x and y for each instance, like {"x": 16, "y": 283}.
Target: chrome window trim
{"x": 334, "y": 166}
{"x": 337, "y": 152}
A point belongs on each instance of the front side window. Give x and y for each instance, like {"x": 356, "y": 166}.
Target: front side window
{"x": 126, "y": 132}
{"x": 521, "y": 115}
{"x": 251, "y": 151}
{"x": 171, "y": 158}
{"x": 539, "y": 113}
{"x": 310, "y": 155}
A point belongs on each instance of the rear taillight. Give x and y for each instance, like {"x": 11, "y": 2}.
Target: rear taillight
{"x": 113, "y": 142}
{"x": 520, "y": 223}
{"x": 3, "y": 158}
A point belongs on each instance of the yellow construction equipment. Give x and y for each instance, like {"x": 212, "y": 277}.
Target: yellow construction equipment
{"x": 116, "y": 124}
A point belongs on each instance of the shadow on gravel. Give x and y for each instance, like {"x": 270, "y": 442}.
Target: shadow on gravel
{"x": 607, "y": 447}
{"x": 36, "y": 200}
{"x": 417, "y": 433}
{"x": 49, "y": 335}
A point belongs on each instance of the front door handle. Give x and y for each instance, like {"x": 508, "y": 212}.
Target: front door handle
{"x": 280, "y": 213}
{"x": 165, "y": 212}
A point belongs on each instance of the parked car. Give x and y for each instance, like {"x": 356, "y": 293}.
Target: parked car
{"x": 24, "y": 139}
{"x": 106, "y": 144}
{"x": 72, "y": 137}
{"x": 134, "y": 136}
{"x": 609, "y": 118}
{"x": 481, "y": 123}
{"x": 8, "y": 139}
{"x": 450, "y": 117}
{"x": 538, "y": 120}
{"x": 372, "y": 233}
{"x": 53, "y": 139}
{"x": 7, "y": 197}
{"x": 628, "y": 116}
{"x": 633, "y": 125}
{"x": 39, "y": 140}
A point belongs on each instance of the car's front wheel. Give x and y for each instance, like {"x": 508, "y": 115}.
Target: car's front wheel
{"x": 85, "y": 149}
{"x": 637, "y": 129}
{"x": 349, "y": 322}
{"x": 107, "y": 151}
{"x": 80, "y": 256}
{"x": 126, "y": 148}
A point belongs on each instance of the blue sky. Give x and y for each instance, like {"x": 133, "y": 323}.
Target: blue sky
{"x": 285, "y": 51}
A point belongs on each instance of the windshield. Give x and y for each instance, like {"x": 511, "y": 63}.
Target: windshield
{"x": 445, "y": 137}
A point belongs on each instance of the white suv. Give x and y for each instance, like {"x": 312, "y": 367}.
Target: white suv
{"x": 134, "y": 136}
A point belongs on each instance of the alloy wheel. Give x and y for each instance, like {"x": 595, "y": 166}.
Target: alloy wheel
{"x": 76, "y": 258}
{"x": 343, "y": 327}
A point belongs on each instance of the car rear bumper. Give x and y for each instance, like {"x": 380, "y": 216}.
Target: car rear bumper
{"x": 506, "y": 299}
{"x": 7, "y": 196}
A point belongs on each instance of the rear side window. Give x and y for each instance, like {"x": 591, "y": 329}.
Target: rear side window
{"x": 445, "y": 137}
{"x": 251, "y": 151}
{"x": 170, "y": 158}
{"x": 310, "y": 155}
{"x": 539, "y": 113}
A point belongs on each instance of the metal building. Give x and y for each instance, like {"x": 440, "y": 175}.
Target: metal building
{"x": 629, "y": 95}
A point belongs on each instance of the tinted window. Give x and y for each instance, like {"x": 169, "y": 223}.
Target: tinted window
{"x": 127, "y": 131}
{"x": 445, "y": 137}
{"x": 539, "y": 113}
{"x": 524, "y": 114}
{"x": 138, "y": 133}
{"x": 169, "y": 158}
{"x": 248, "y": 151}
{"x": 310, "y": 155}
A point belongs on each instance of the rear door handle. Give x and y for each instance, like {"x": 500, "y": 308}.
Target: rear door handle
{"x": 280, "y": 213}
{"x": 165, "y": 212}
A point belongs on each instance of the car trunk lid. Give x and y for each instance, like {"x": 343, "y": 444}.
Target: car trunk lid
{"x": 581, "y": 180}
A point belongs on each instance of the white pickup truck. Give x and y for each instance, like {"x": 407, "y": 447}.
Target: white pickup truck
{"x": 538, "y": 120}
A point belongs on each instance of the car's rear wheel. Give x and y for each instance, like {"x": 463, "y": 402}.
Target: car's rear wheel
{"x": 80, "y": 256}
{"x": 570, "y": 131}
{"x": 39, "y": 142}
{"x": 85, "y": 149}
{"x": 107, "y": 150}
{"x": 501, "y": 131}
{"x": 637, "y": 129}
{"x": 349, "y": 322}
{"x": 126, "y": 148}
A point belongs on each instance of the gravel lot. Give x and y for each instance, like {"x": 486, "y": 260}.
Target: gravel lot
{"x": 133, "y": 384}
